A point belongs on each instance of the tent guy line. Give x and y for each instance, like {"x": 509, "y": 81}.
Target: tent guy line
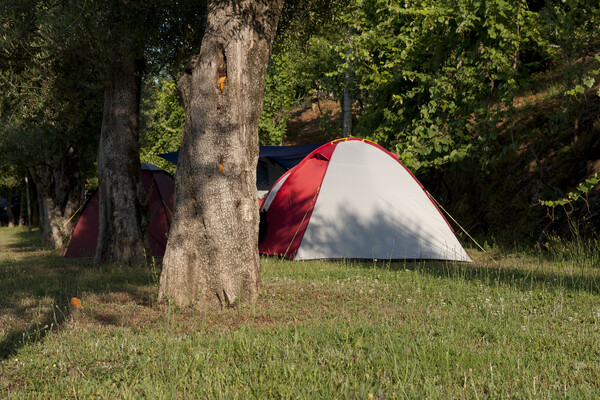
{"x": 460, "y": 226}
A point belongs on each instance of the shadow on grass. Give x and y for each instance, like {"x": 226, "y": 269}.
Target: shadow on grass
{"x": 25, "y": 241}
{"x": 36, "y": 290}
{"x": 533, "y": 274}
{"x": 36, "y": 331}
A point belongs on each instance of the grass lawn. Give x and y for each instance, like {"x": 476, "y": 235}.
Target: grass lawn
{"x": 524, "y": 326}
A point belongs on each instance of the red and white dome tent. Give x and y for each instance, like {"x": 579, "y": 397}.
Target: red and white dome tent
{"x": 351, "y": 198}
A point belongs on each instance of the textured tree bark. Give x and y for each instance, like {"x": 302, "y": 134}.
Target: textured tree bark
{"x": 212, "y": 253}
{"x": 123, "y": 205}
{"x": 60, "y": 194}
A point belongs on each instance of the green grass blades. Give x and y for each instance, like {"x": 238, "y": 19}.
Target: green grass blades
{"x": 525, "y": 326}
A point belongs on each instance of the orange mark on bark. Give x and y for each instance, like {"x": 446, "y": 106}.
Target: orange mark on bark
{"x": 221, "y": 82}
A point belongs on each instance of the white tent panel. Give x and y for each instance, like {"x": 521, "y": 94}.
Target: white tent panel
{"x": 273, "y": 192}
{"x": 370, "y": 206}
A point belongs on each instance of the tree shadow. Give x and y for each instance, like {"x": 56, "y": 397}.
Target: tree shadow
{"x": 348, "y": 234}
{"x": 36, "y": 291}
{"x": 27, "y": 241}
{"x": 52, "y": 320}
{"x": 385, "y": 232}
{"x": 491, "y": 273}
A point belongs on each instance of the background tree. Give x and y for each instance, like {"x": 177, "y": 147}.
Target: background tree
{"x": 123, "y": 206}
{"x": 10, "y": 184}
{"x": 279, "y": 99}
{"x": 104, "y": 46}
{"x": 125, "y": 39}
{"x": 571, "y": 33}
{"x": 138, "y": 32}
{"x": 49, "y": 119}
{"x": 305, "y": 62}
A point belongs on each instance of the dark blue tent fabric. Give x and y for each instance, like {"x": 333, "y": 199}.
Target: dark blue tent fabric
{"x": 288, "y": 156}
{"x": 171, "y": 157}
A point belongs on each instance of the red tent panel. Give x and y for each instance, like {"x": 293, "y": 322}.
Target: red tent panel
{"x": 291, "y": 209}
{"x": 159, "y": 187}
{"x": 85, "y": 233}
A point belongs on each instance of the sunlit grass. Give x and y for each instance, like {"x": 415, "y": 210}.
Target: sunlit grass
{"x": 524, "y": 326}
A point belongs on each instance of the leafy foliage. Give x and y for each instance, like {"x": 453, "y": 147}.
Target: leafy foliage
{"x": 581, "y": 192}
{"x": 52, "y": 103}
{"x": 278, "y": 100}
{"x": 304, "y": 59}
{"x": 571, "y": 28}
{"x": 427, "y": 72}
{"x": 54, "y": 60}
{"x": 162, "y": 121}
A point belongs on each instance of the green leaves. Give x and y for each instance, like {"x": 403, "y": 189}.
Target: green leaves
{"x": 427, "y": 69}
{"x": 162, "y": 121}
{"x": 280, "y": 84}
{"x": 580, "y": 192}
{"x": 51, "y": 108}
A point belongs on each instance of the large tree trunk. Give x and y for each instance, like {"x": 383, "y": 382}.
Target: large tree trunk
{"x": 212, "y": 253}
{"x": 60, "y": 194}
{"x": 123, "y": 205}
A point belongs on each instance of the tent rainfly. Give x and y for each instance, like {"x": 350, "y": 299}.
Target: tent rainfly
{"x": 353, "y": 199}
{"x": 159, "y": 187}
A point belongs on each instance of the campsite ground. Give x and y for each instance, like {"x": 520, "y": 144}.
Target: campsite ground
{"x": 512, "y": 324}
